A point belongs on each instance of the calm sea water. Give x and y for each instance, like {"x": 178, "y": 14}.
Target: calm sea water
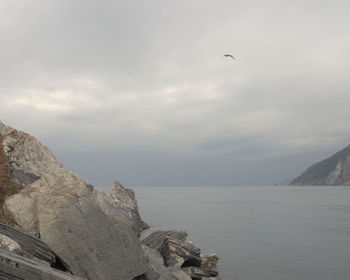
{"x": 260, "y": 233}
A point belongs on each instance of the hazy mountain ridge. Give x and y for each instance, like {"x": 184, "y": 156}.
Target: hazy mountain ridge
{"x": 334, "y": 170}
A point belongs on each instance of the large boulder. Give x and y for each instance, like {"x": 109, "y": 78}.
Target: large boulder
{"x": 93, "y": 244}
{"x": 95, "y": 234}
{"x": 156, "y": 269}
{"x": 121, "y": 202}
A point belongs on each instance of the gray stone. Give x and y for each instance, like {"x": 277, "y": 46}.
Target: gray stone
{"x": 175, "y": 273}
{"x": 14, "y": 267}
{"x": 26, "y": 153}
{"x": 180, "y": 253}
{"x": 92, "y": 244}
{"x": 23, "y": 178}
{"x": 199, "y": 273}
{"x": 182, "y": 258}
{"x": 16, "y": 241}
{"x": 154, "y": 238}
{"x": 120, "y": 202}
{"x": 209, "y": 261}
{"x": 156, "y": 270}
{"x": 154, "y": 263}
{"x": 93, "y": 234}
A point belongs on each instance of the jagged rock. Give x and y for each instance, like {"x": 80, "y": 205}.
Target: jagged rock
{"x": 209, "y": 261}
{"x": 94, "y": 235}
{"x": 25, "y": 245}
{"x": 156, "y": 270}
{"x": 91, "y": 243}
{"x": 22, "y": 160}
{"x": 154, "y": 238}
{"x": 121, "y": 202}
{"x": 180, "y": 253}
{"x": 28, "y": 156}
{"x": 199, "y": 273}
{"x": 63, "y": 210}
{"x": 169, "y": 251}
{"x": 14, "y": 267}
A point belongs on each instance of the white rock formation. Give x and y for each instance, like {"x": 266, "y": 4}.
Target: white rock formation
{"x": 27, "y": 154}
{"x": 8, "y": 244}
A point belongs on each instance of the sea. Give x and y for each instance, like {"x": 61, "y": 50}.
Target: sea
{"x": 260, "y": 233}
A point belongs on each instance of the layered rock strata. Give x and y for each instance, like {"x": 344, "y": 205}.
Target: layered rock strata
{"x": 15, "y": 267}
{"x": 182, "y": 260}
{"x": 24, "y": 257}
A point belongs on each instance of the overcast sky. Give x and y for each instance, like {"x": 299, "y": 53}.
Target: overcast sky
{"x": 139, "y": 91}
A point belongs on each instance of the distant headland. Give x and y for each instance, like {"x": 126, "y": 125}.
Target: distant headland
{"x": 333, "y": 171}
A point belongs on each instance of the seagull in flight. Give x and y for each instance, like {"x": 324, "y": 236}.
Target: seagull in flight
{"x": 229, "y": 55}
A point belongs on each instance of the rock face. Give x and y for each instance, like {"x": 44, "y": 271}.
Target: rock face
{"x": 94, "y": 234}
{"x": 333, "y": 171}
{"x": 29, "y": 160}
{"x": 170, "y": 256}
{"x": 23, "y": 159}
{"x": 92, "y": 244}
{"x": 52, "y": 219}
{"x": 121, "y": 202}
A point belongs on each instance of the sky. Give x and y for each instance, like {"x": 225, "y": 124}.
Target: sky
{"x": 140, "y": 92}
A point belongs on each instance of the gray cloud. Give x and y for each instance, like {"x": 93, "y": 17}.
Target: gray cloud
{"x": 143, "y": 89}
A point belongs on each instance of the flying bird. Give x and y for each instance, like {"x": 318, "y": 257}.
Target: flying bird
{"x": 229, "y": 55}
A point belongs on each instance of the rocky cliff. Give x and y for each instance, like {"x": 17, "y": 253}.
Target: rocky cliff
{"x": 333, "y": 171}
{"x": 56, "y": 225}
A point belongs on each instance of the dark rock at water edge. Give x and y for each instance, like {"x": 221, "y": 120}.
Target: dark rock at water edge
{"x": 170, "y": 256}
{"x": 177, "y": 252}
{"x": 155, "y": 238}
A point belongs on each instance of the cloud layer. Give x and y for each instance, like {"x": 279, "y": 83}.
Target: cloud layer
{"x": 140, "y": 91}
